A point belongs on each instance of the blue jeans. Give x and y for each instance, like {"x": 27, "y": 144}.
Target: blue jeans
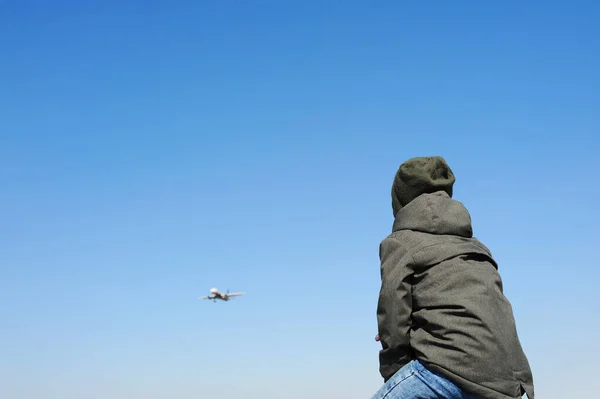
{"x": 414, "y": 381}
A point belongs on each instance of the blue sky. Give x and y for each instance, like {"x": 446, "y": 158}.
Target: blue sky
{"x": 152, "y": 150}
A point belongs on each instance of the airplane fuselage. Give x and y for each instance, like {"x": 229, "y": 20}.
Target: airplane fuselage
{"x": 220, "y": 296}
{"x": 216, "y": 294}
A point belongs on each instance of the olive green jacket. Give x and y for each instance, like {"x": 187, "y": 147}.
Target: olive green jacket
{"x": 442, "y": 302}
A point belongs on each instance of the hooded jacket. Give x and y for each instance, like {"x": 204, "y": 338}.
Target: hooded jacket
{"x": 442, "y": 303}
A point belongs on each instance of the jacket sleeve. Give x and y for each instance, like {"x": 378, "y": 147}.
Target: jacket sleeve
{"x": 394, "y": 307}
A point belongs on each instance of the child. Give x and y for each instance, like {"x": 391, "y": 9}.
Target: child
{"x": 445, "y": 327}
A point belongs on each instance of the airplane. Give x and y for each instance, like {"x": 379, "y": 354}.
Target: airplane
{"x": 216, "y": 294}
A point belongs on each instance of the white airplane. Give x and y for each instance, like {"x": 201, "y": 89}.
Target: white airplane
{"x": 216, "y": 294}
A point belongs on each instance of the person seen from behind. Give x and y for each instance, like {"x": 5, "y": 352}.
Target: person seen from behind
{"x": 445, "y": 327}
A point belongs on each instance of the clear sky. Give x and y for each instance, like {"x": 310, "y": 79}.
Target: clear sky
{"x": 152, "y": 150}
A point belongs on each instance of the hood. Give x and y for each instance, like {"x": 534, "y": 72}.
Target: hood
{"x": 435, "y": 213}
{"x": 418, "y": 176}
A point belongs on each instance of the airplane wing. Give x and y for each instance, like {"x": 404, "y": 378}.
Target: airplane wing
{"x": 236, "y": 294}
{"x": 204, "y": 297}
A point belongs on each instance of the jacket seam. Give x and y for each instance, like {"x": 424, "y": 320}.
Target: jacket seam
{"x": 408, "y": 251}
{"x": 473, "y": 382}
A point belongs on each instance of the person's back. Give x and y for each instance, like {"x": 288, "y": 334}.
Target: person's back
{"x": 442, "y": 316}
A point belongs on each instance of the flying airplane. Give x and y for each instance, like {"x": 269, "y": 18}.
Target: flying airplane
{"x": 216, "y": 294}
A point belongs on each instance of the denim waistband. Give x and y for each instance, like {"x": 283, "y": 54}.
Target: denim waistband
{"x": 417, "y": 366}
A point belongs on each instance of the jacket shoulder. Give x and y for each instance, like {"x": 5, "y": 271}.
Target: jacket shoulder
{"x": 428, "y": 249}
{"x": 409, "y": 239}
